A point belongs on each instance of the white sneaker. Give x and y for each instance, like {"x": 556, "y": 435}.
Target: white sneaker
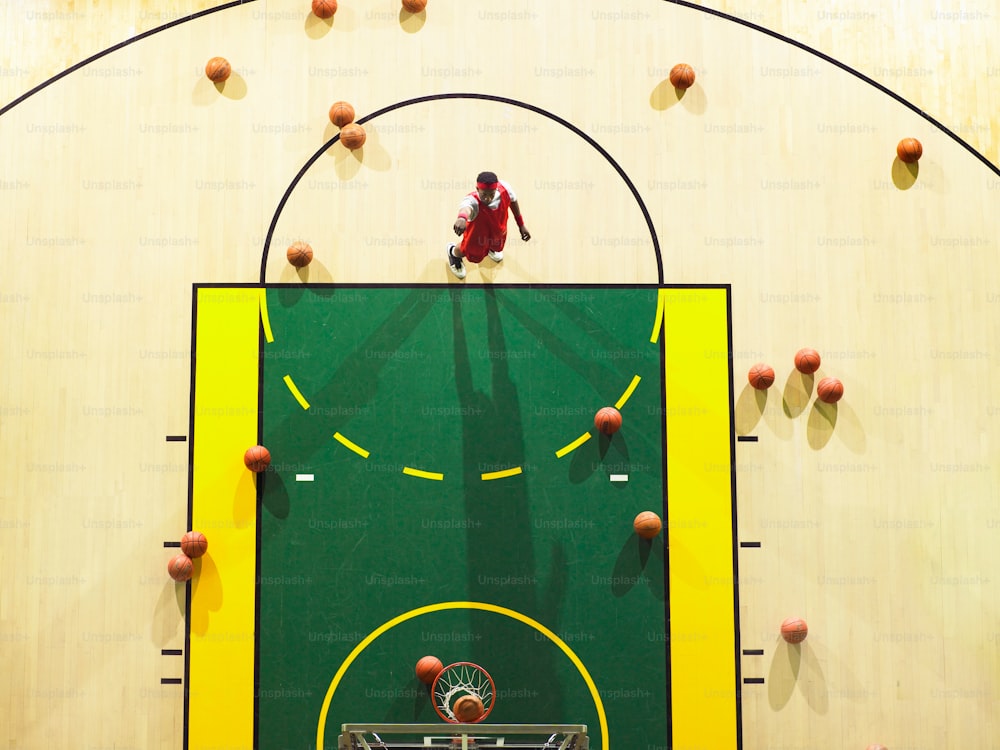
{"x": 455, "y": 263}
{"x": 497, "y": 256}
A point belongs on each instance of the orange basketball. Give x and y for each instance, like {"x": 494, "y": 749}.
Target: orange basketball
{"x": 428, "y": 667}
{"x": 830, "y": 390}
{"x": 682, "y": 76}
{"x": 300, "y": 254}
{"x": 324, "y": 8}
{"x": 608, "y": 420}
{"x": 761, "y": 376}
{"x": 794, "y": 629}
{"x": 341, "y": 113}
{"x": 257, "y": 458}
{"x": 876, "y": 747}
{"x": 194, "y": 544}
{"x": 353, "y": 136}
{"x": 414, "y": 6}
{"x": 180, "y": 568}
{"x": 647, "y": 524}
{"x": 807, "y": 361}
{"x": 909, "y": 150}
{"x": 218, "y": 69}
{"x": 468, "y": 708}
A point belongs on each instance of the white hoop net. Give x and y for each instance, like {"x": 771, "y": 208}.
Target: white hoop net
{"x": 456, "y": 680}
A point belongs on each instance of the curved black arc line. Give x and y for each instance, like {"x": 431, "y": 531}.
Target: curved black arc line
{"x": 116, "y": 47}
{"x": 847, "y": 68}
{"x": 485, "y": 97}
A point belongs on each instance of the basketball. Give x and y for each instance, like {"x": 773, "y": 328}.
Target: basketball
{"x": 830, "y": 390}
{"x": 876, "y": 747}
{"x": 807, "y": 361}
{"x": 608, "y": 420}
{"x": 257, "y": 458}
{"x": 180, "y": 568}
{"x": 218, "y": 69}
{"x": 324, "y": 8}
{"x": 414, "y": 6}
{"x": 300, "y": 254}
{"x": 468, "y": 708}
{"x": 761, "y": 376}
{"x": 194, "y": 544}
{"x": 909, "y": 150}
{"x": 353, "y": 136}
{"x": 428, "y": 667}
{"x": 682, "y": 76}
{"x": 647, "y": 524}
{"x": 341, "y": 113}
{"x": 794, "y": 629}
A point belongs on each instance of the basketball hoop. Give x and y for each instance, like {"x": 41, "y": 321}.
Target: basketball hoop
{"x": 459, "y": 679}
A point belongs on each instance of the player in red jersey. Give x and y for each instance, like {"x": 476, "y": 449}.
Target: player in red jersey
{"x": 482, "y": 223}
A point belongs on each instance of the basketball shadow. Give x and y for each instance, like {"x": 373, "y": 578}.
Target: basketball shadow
{"x": 275, "y": 500}
{"x": 813, "y": 685}
{"x": 289, "y": 296}
{"x": 374, "y": 154}
{"x": 851, "y": 431}
{"x": 694, "y": 100}
{"x": 585, "y": 461}
{"x": 798, "y": 391}
{"x": 411, "y": 23}
{"x": 168, "y": 622}
{"x": 784, "y": 673}
{"x": 630, "y": 564}
{"x": 245, "y": 510}
{"x": 904, "y": 176}
{"x": 822, "y": 421}
{"x": 345, "y": 19}
{"x": 749, "y": 409}
{"x": 234, "y": 88}
{"x": 665, "y": 96}
{"x": 207, "y": 583}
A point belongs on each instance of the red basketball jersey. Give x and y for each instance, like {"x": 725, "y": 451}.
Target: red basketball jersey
{"x": 488, "y": 231}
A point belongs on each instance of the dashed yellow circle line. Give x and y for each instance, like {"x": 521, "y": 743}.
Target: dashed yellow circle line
{"x": 441, "y": 607}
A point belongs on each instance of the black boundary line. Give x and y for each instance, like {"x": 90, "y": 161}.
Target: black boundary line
{"x": 482, "y": 97}
{"x": 753, "y": 680}
{"x": 171, "y": 652}
{"x": 733, "y": 514}
{"x": 746, "y": 438}
{"x": 190, "y": 512}
{"x": 173, "y": 681}
{"x": 114, "y": 48}
{"x": 665, "y": 469}
{"x": 177, "y": 438}
{"x": 753, "y": 652}
{"x": 171, "y": 544}
{"x": 749, "y": 544}
{"x": 847, "y": 68}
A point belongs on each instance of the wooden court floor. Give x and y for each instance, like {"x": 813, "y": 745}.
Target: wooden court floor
{"x": 126, "y": 178}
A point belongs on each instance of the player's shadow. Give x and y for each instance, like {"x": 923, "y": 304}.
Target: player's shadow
{"x": 589, "y": 370}
{"x": 354, "y": 383}
{"x": 499, "y": 568}
{"x": 749, "y": 409}
{"x": 798, "y": 391}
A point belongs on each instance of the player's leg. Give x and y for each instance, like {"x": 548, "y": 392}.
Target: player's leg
{"x": 455, "y": 261}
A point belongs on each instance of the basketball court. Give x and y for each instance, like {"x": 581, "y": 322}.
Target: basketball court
{"x": 437, "y": 485}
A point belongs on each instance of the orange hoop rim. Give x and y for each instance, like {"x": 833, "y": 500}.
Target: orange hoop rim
{"x": 444, "y": 711}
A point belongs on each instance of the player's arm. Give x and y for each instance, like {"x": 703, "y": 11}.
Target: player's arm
{"x": 515, "y": 209}
{"x": 466, "y": 213}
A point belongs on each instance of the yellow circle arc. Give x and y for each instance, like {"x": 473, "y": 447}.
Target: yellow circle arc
{"x": 440, "y": 607}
